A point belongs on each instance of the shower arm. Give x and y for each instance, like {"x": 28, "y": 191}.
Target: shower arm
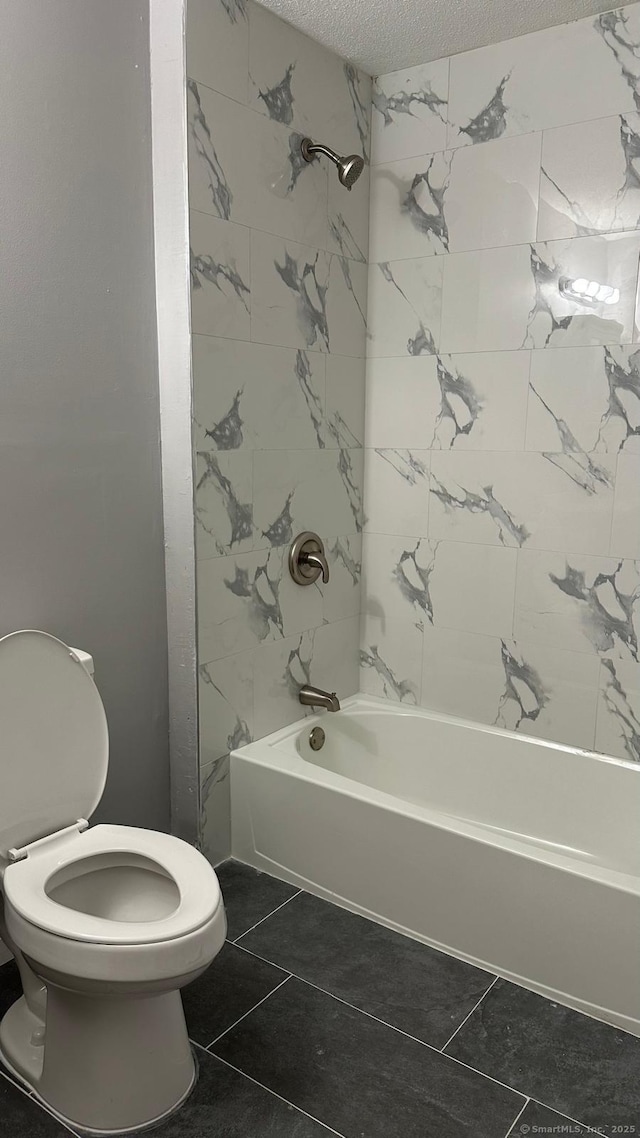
{"x": 309, "y": 149}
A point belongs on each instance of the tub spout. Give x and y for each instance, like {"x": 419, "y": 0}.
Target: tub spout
{"x": 316, "y": 697}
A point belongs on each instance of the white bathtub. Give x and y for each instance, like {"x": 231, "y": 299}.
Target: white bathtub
{"x": 518, "y": 855}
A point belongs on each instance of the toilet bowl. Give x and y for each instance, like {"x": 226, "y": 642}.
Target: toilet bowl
{"x": 106, "y": 923}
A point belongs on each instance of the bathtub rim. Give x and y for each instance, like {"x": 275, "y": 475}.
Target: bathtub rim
{"x": 362, "y": 699}
{"x": 269, "y": 752}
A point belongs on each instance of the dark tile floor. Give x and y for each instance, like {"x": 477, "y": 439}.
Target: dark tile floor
{"x": 313, "y": 1021}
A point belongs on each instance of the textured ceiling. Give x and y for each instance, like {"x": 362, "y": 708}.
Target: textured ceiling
{"x": 387, "y": 35}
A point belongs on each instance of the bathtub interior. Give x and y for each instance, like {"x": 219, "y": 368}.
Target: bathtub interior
{"x": 574, "y": 803}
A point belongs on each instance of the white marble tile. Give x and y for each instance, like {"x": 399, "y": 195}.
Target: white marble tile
{"x": 349, "y": 217}
{"x": 296, "y": 81}
{"x": 585, "y": 400}
{"x": 501, "y": 90}
{"x": 462, "y": 402}
{"x": 549, "y": 693}
{"x": 212, "y": 123}
{"x": 336, "y": 657}
{"x": 621, "y": 418}
{"x": 523, "y": 687}
{"x": 472, "y": 588}
{"x": 486, "y": 301}
{"x": 403, "y": 402}
{"x": 409, "y": 114}
{"x": 299, "y": 490}
{"x": 390, "y": 659}
{"x": 519, "y": 499}
{"x": 482, "y": 401}
{"x": 341, "y": 597}
{"x": 582, "y": 604}
{"x": 396, "y": 491}
{"x": 513, "y": 297}
{"x": 472, "y": 198}
{"x": 625, "y": 531}
{"x": 589, "y": 181}
{"x": 218, "y": 46}
{"x": 405, "y": 299}
{"x": 215, "y": 811}
{"x": 280, "y": 669}
{"x": 220, "y": 289}
{"x": 409, "y": 207}
{"x": 462, "y": 674}
{"x": 492, "y": 196}
{"x": 246, "y": 600}
{"x": 289, "y": 287}
{"x": 396, "y": 578}
{"x": 618, "y": 723}
{"x": 345, "y": 400}
{"x": 245, "y": 168}
{"x": 223, "y": 503}
{"x": 225, "y": 694}
{"x": 556, "y": 320}
{"x": 326, "y": 657}
{"x": 255, "y": 396}
{"x": 347, "y": 307}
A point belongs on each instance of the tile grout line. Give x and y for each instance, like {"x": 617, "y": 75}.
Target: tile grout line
{"x": 276, "y": 910}
{"x": 200, "y": 1046}
{"x": 384, "y": 1023}
{"x": 36, "y": 1101}
{"x": 461, "y": 1025}
{"x": 429, "y": 1046}
{"x": 280, "y": 1097}
{"x": 253, "y": 1009}
{"x": 517, "y": 1118}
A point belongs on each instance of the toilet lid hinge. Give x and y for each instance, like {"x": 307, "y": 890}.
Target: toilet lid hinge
{"x": 21, "y": 852}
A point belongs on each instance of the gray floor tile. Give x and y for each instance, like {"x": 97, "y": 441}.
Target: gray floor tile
{"x": 358, "y": 1075}
{"x": 539, "y": 1120}
{"x": 249, "y": 895}
{"x": 407, "y": 984}
{"x": 231, "y": 986}
{"x": 226, "y": 1105}
{"x": 575, "y": 1064}
{"x": 10, "y": 986}
{"x": 21, "y": 1117}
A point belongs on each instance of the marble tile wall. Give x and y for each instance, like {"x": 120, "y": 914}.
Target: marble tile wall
{"x": 502, "y": 441}
{"x": 279, "y": 295}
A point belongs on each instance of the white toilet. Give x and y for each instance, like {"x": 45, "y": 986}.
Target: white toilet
{"x": 106, "y": 924}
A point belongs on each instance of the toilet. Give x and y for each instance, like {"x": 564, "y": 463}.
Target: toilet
{"x": 106, "y": 923}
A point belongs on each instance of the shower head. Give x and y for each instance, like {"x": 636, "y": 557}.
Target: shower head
{"x": 349, "y": 168}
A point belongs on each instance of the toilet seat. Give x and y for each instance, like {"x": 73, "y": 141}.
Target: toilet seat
{"x": 25, "y": 885}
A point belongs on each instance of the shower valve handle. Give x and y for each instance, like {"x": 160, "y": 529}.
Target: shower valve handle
{"x": 307, "y": 560}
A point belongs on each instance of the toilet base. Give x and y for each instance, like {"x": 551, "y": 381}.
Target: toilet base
{"x": 105, "y": 1065}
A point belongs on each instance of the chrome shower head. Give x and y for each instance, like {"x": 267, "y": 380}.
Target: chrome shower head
{"x": 349, "y": 168}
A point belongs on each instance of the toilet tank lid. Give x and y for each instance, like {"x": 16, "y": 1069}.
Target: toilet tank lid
{"x": 54, "y": 743}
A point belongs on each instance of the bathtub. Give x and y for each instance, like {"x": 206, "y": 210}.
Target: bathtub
{"x": 517, "y": 855}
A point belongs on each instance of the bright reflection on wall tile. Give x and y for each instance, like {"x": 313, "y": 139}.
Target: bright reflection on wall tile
{"x": 588, "y": 292}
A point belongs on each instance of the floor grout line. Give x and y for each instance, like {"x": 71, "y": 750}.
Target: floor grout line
{"x": 517, "y": 1118}
{"x": 390, "y": 1026}
{"x": 240, "y": 1019}
{"x": 280, "y": 1097}
{"x": 461, "y": 1025}
{"x": 276, "y": 910}
{"x": 414, "y": 1038}
{"x": 36, "y": 1101}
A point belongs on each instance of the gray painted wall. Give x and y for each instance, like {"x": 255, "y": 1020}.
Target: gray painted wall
{"x": 81, "y": 543}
